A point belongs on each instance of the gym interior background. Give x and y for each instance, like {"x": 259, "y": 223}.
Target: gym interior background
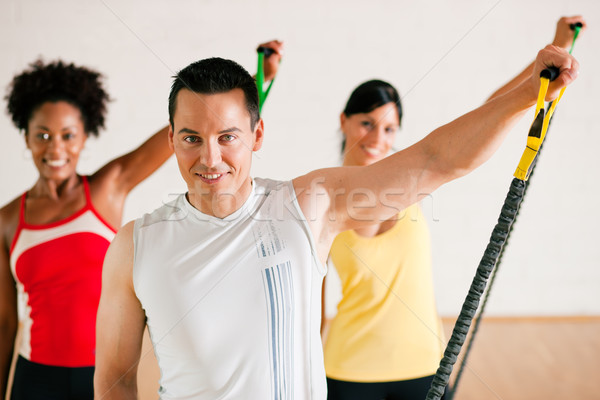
{"x": 445, "y": 58}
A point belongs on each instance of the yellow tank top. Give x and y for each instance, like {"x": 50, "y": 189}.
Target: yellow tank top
{"x": 387, "y": 327}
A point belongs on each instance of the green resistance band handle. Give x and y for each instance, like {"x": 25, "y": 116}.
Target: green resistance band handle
{"x": 263, "y": 52}
{"x": 267, "y": 51}
{"x": 575, "y": 27}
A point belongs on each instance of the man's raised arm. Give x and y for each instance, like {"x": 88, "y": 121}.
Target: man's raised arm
{"x": 338, "y": 199}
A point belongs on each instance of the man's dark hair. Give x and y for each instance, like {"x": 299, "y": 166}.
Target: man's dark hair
{"x": 57, "y": 81}
{"x": 212, "y": 76}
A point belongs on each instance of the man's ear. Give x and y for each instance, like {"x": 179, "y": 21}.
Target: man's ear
{"x": 171, "y": 137}
{"x": 259, "y": 132}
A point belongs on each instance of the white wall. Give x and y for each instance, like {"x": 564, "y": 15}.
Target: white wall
{"x": 445, "y": 57}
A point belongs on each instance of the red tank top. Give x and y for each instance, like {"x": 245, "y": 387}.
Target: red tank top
{"x": 58, "y": 270}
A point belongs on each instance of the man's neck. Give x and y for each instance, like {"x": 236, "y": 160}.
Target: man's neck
{"x": 220, "y": 205}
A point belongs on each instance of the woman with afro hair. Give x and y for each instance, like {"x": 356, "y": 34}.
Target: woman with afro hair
{"x": 55, "y": 235}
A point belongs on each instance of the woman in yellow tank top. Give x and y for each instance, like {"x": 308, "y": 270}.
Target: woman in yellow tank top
{"x": 386, "y": 340}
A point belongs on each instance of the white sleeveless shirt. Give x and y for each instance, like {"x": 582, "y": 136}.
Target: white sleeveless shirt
{"x": 233, "y": 305}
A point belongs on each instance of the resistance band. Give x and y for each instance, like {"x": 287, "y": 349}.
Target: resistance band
{"x": 500, "y": 233}
{"x": 493, "y": 250}
{"x": 263, "y": 52}
{"x": 576, "y": 28}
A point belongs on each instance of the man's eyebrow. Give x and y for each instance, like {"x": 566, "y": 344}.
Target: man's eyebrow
{"x": 187, "y": 130}
{"x": 230, "y": 130}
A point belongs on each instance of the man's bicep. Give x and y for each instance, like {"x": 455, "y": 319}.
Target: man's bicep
{"x": 337, "y": 199}
{"x": 121, "y": 319}
{"x": 352, "y": 197}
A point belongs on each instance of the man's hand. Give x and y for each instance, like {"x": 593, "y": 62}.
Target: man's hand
{"x": 553, "y": 56}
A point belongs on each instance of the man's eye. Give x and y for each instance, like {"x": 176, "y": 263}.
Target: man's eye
{"x": 191, "y": 139}
{"x": 227, "y": 138}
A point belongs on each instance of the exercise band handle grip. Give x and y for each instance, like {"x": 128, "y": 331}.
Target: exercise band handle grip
{"x": 576, "y": 25}
{"x": 267, "y": 51}
{"x": 263, "y": 52}
{"x": 550, "y": 73}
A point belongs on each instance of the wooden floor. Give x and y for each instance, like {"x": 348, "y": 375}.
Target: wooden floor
{"x": 511, "y": 359}
{"x": 533, "y": 358}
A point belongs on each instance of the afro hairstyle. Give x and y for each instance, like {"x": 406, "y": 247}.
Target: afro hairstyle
{"x": 57, "y": 81}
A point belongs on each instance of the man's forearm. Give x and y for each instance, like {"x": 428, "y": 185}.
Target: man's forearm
{"x": 462, "y": 145}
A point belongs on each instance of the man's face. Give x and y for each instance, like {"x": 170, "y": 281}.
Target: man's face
{"x": 213, "y": 142}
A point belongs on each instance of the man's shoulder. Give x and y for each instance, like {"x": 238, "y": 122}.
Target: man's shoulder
{"x": 173, "y": 210}
{"x": 263, "y": 185}
{"x": 270, "y": 187}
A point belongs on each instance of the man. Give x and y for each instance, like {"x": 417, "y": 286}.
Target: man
{"x": 228, "y": 276}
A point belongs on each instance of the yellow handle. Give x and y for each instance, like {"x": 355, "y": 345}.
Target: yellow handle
{"x": 537, "y": 132}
